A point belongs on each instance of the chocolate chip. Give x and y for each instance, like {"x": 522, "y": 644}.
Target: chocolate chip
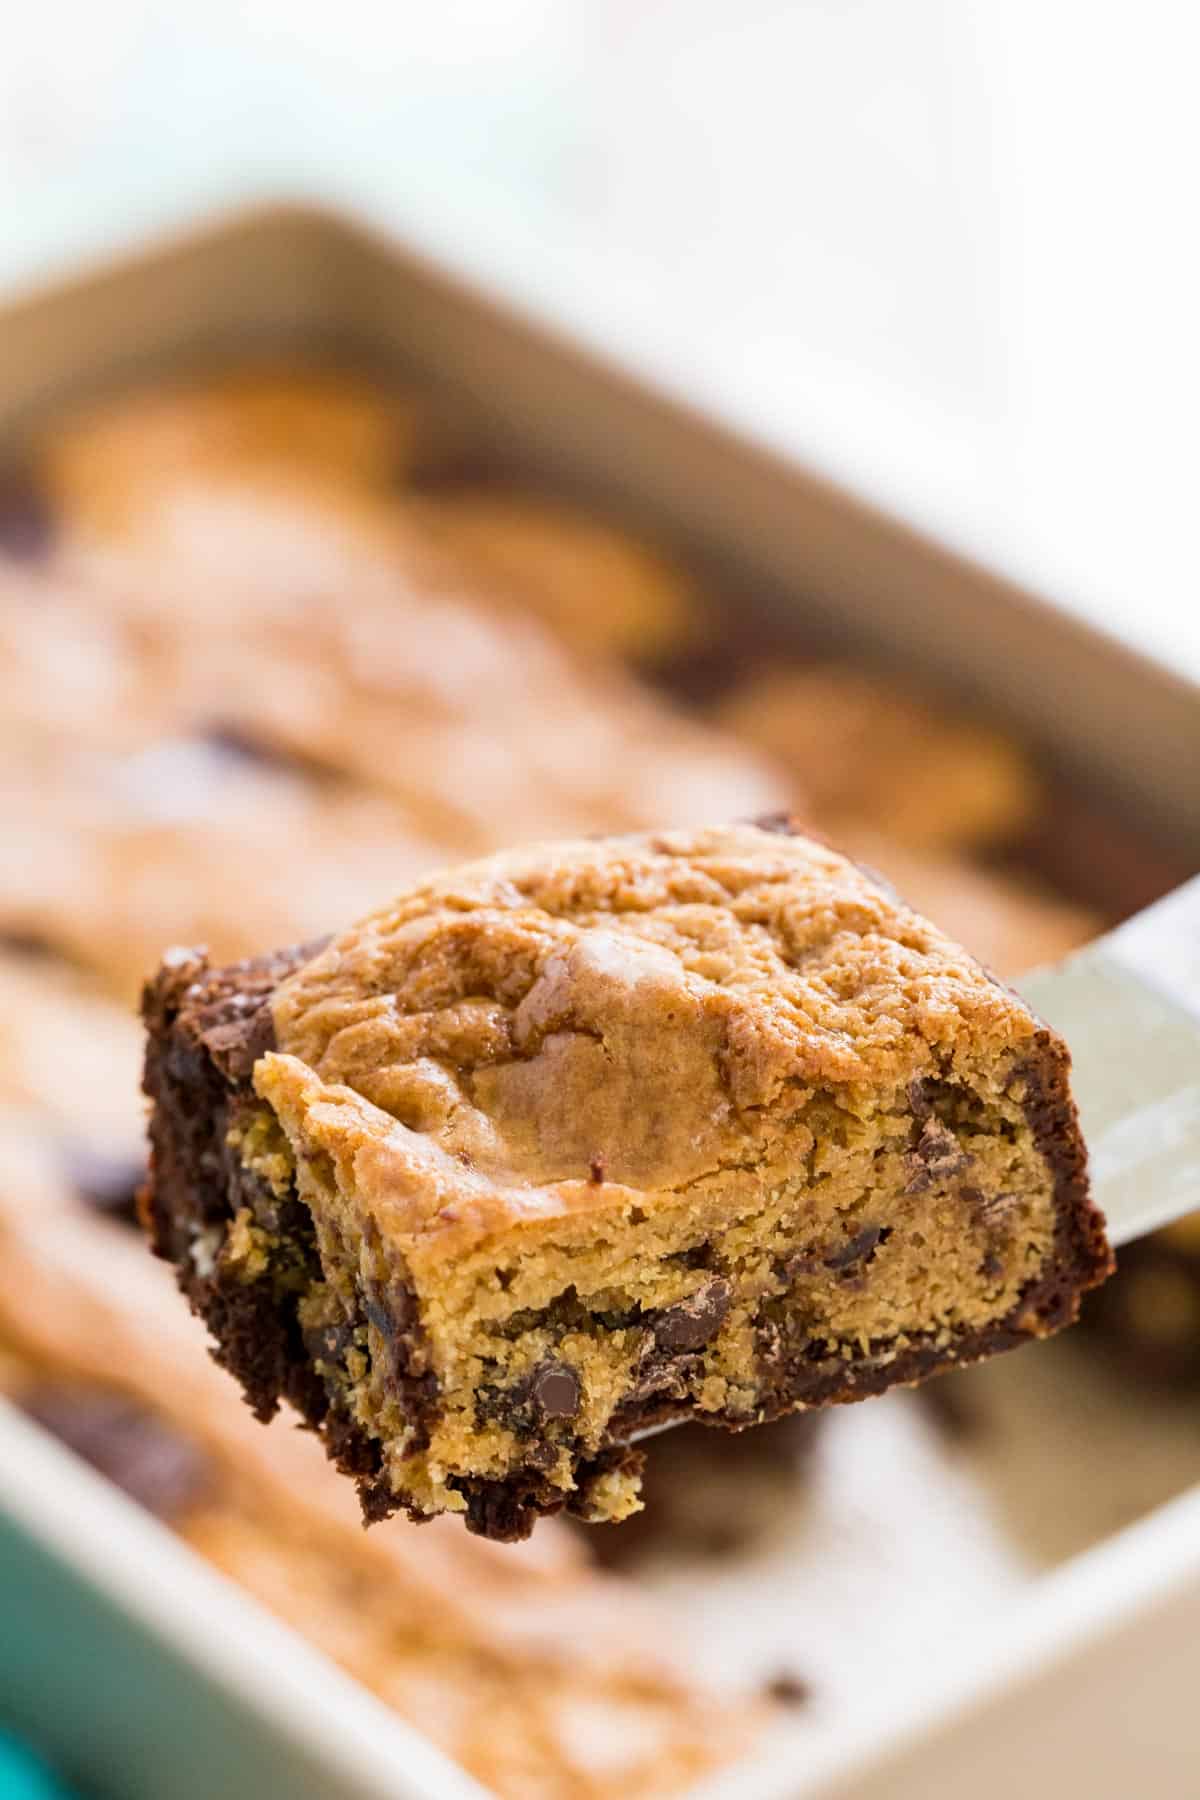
{"x": 788, "y": 1689}
{"x": 661, "y": 1378}
{"x": 131, "y": 1446}
{"x": 695, "y": 1322}
{"x": 936, "y": 1154}
{"x": 554, "y": 1391}
{"x": 860, "y": 1248}
{"x": 540, "y": 1458}
{"x": 108, "y": 1182}
{"x": 598, "y": 1168}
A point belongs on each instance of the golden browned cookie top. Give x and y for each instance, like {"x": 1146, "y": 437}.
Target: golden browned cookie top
{"x": 641, "y": 1011}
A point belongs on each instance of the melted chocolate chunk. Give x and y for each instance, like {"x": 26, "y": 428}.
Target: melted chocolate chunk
{"x": 662, "y": 1378}
{"x": 936, "y": 1154}
{"x": 860, "y": 1248}
{"x": 918, "y": 1098}
{"x": 106, "y": 1182}
{"x": 551, "y": 1391}
{"x": 695, "y": 1322}
{"x": 554, "y": 1391}
{"x": 131, "y": 1446}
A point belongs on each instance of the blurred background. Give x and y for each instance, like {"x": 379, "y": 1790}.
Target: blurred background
{"x": 287, "y": 619}
{"x": 940, "y": 248}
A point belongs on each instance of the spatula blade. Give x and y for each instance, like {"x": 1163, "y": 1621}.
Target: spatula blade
{"x": 1129, "y": 1007}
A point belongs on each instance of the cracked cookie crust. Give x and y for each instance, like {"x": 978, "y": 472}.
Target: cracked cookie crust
{"x": 598, "y": 1135}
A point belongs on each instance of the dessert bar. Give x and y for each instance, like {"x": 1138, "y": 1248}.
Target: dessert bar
{"x": 587, "y": 1138}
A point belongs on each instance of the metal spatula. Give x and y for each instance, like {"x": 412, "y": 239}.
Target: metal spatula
{"x": 1129, "y": 1007}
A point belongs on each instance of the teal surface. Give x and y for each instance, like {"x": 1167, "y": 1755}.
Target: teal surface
{"x": 24, "y": 1776}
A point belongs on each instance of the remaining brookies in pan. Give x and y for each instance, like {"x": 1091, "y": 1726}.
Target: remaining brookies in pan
{"x": 106, "y": 465}
{"x": 168, "y": 779}
{"x": 586, "y": 1138}
{"x": 598, "y": 586}
{"x": 868, "y": 751}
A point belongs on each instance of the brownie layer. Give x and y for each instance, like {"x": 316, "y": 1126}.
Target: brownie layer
{"x": 206, "y": 1028}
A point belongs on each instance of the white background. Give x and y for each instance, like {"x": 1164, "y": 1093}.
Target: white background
{"x": 944, "y": 249}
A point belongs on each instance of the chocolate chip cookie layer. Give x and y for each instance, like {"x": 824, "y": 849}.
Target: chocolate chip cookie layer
{"x": 597, "y": 1135}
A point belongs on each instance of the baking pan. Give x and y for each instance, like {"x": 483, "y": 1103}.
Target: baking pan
{"x": 962, "y": 1615}
{"x": 145, "y": 1674}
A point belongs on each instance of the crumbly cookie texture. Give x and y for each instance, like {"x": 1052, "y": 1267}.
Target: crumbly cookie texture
{"x": 600, "y": 587}
{"x": 589, "y": 1137}
{"x": 104, "y": 466}
{"x": 494, "y": 1654}
{"x": 868, "y": 751}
